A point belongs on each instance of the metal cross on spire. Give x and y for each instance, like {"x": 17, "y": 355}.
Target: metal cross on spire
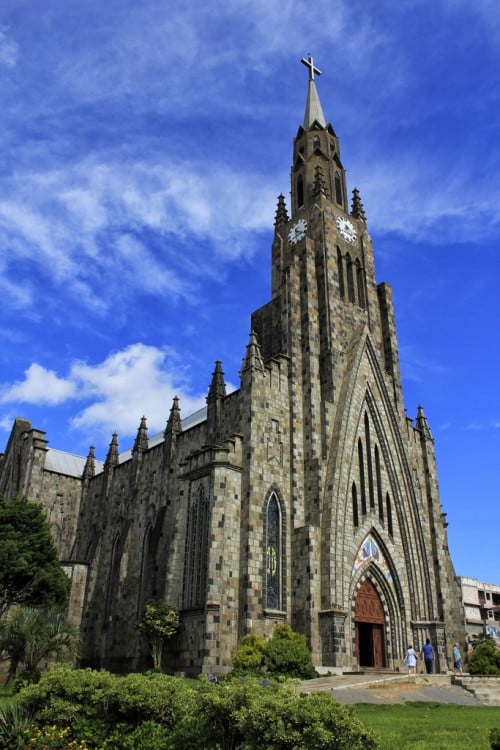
{"x": 309, "y": 63}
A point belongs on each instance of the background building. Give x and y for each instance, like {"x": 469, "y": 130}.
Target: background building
{"x": 482, "y": 608}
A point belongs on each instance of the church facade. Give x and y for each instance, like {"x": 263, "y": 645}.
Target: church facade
{"x": 307, "y": 496}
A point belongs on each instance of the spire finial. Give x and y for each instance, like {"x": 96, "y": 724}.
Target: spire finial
{"x": 309, "y": 63}
{"x": 314, "y": 112}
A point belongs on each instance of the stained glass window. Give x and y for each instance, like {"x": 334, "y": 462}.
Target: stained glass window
{"x": 273, "y": 554}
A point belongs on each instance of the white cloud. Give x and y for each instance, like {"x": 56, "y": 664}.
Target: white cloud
{"x": 8, "y": 49}
{"x": 40, "y": 386}
{"x": 139, "y": 380}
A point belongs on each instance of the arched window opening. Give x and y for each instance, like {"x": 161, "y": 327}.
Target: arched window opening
{"x": 355, "y": 516}
{"x": 360, "y": 284}
{"x": 113, "y": 579}
{"x": 340, "y": 264}
{"x": 362, "y": 477}
{"x": 145, "y": 588}
{"x": 338, "y": 190}
{"x": 350, "y": 279}
{"x": 196, "y": 550}
{"x": 300, "y": 191}
{"x": 389, "y": 514}
{"x": 378, "y": 473}
{"x": 369, "y": 463}
{"x": 274, "y": 573}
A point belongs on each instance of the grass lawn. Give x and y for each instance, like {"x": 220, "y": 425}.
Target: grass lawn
{"x": 424, "y": 726}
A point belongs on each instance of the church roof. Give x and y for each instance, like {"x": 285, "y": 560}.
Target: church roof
{"x": 71, "y": 465}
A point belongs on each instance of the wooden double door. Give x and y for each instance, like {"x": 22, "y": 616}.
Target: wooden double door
{"x": 369, "y": 622}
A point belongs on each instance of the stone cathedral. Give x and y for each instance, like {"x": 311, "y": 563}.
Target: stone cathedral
{"x": 307, "y": 496}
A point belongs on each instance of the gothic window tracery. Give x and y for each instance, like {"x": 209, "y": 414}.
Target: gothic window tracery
{"x": 196, "y": 549}
{"x": 274, "y": 562}
{"x": 360, "y": 284}
{"x": 378, "y": 474}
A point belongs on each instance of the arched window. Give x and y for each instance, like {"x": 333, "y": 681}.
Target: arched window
{"x": 145, "y": 588}
{"x": 113, "y": 579}
{"x": 362, "y": 476}
{"x": 355, "y": 517}
{"x": 340, "y": 264}
{"x": 300, "y": 191}
{"x": 389, "y": 513}
{"x": 196, "y": 550}
{"x": 369, "y": 462}
{"x": 378, "y": 473}
{"x": 350, "y": 279}
{"x": 360, "y": 284}
{"x": 274, "y": 565}
{"x": 338, "y": 189}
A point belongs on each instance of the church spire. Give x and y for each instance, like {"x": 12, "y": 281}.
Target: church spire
{"x": 314, "y": 111}
{"x": 141, "y": 440}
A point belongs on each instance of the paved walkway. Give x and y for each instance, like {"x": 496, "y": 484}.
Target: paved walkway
{"x": 391, "y": 688}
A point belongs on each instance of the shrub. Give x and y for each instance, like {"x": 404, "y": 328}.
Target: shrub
{"x": 158, "y": 623}
{"x": 247, "y": 715}
{"x": 494, "y": 738}
{"x": 485, "y": 658}
{"x": 286, "y": 652}
{"x": 95, "y": 704}
{"x": 14, "y": 721}
{"x": 250, "y": 653}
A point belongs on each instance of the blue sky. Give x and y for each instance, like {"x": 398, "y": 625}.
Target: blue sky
{"x": 143, "y": 146}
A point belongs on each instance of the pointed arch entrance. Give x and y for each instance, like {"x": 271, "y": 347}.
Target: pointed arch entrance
{"x": 369, "y": 622}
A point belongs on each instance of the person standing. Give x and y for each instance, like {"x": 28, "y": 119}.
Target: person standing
{"x": 457, "y": 659}
{"x": 411, "y": 660}
{"x": 428, "y": 655}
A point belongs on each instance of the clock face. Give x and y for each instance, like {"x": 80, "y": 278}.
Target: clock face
{"x": 297, "y": 232}
{"x": 346, "y": 229}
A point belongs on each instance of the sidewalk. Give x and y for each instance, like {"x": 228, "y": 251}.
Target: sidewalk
{"x": 387, "y": 688}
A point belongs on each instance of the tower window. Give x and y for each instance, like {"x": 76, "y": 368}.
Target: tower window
{"x": 350, "y": 279}
{"x": 338, "y": 189}
{"x": 300, "y": 191}
{"x": 340, "y": 264}
{"x": 389, "y": 513}
{"x": 361, "y": 464}
{"x": 360, "y": 284}
{"x": 355, "y": 517}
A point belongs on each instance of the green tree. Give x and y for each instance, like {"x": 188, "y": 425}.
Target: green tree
{"x": 485, "y": 658}
{"x": 30, "y": 572}
{"x": 28, "y": 635}
{"x": 158, "y": 623}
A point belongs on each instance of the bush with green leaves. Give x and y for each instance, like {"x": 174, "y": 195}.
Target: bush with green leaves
{"x": 286, "y": 652}
{"x": 494, "y": 738}
{"x": 251, "y": 714}
{"x": 485, "y": 659}
{"x": 250, "y": 653}
{"x": 103, "y": 709}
